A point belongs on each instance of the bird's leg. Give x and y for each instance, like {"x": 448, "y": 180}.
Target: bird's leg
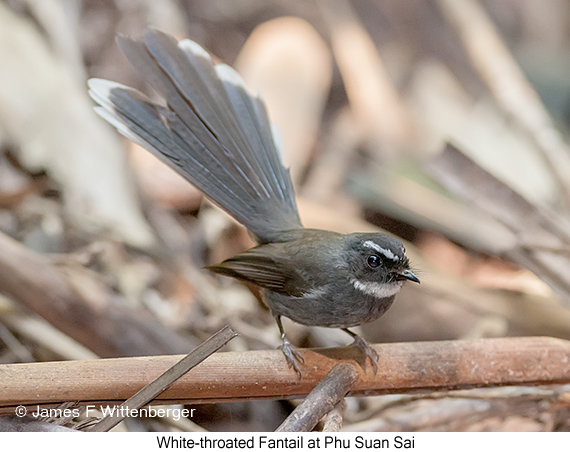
{"x": 368, "y": 351}
{"x": 293, "y": 356}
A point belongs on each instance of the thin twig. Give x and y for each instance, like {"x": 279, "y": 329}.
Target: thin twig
{"x": 155, "y": 388}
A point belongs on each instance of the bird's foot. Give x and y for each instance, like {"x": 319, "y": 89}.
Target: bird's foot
{"x": 368, "y": 351}
{"x": 293, "y": 356}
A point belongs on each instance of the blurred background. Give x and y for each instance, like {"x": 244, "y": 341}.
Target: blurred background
{"x": 443, "y": 122}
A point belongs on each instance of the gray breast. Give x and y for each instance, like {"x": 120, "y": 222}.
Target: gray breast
{"x": 330, "y": 308}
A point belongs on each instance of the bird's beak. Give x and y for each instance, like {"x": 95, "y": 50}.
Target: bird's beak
{"x": 409, "y": 275}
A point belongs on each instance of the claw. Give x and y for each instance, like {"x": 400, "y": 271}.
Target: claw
{"x": 368, "y": 351}
{"x": 293, "y": 356}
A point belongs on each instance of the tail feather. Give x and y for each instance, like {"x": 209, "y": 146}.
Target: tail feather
{"x": 212, "y": 131}
{"x": 254, "y": 122}
{"x": 140, "y": 120}
{"x": 163, "y": 65}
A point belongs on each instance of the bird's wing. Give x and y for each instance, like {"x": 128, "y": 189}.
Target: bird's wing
{"x": 265, "y": 268}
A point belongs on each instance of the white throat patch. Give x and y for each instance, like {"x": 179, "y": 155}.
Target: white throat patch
{"x": 376, "y": 289}
{"x": 388, "y": 254}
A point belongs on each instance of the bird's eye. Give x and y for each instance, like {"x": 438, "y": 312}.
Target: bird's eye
{"x": 373, "y": 261}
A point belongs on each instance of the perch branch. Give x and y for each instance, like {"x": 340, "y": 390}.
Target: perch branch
{"x": 257, "y": 375}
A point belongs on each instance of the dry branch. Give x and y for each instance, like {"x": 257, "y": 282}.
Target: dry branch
{"x": 257, "y": 375}
{"x": 335, "y": 418}
{"x": 497, "y": 409}
{"x": 321, "y": 400}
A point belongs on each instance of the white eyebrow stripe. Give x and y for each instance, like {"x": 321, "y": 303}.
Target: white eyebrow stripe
{"x": 386, "y": 253}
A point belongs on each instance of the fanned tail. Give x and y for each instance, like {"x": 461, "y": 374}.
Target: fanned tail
{"x": 211, "y": 131}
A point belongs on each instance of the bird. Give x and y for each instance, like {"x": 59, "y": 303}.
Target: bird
{"x": 216, "y": 133}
